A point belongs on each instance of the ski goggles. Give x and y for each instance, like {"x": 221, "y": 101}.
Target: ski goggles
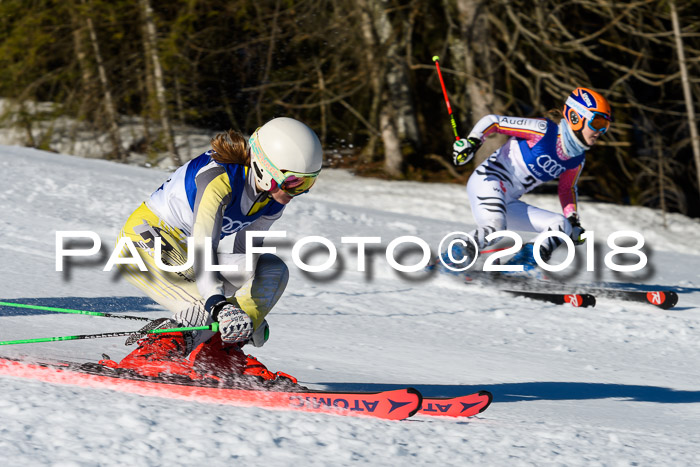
{"x": 295, "y": 183}
{"x": 597, "y": 121}
{"x": 600, "y": 122}
{"x": 292, "y": 183}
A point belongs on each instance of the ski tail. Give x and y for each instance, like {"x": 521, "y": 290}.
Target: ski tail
{"x": 391, "y": 405}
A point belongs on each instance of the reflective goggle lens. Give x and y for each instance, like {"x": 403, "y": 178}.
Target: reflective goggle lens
{"x": 599, "y": 122}
{"x": 296, "y": 184}
{"x": 293, "y": 183}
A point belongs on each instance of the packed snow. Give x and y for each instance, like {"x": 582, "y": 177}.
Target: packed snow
{"x": 617, "y": 384}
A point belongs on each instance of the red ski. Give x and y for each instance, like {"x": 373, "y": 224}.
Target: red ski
{"x": 462, "y": 406}
{"x": 392, "y": 405}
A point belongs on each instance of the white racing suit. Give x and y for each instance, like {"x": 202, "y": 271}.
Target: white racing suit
{"x": 538, "y": 151}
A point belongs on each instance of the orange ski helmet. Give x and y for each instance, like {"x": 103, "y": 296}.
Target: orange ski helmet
{"x": 585, "y": 106}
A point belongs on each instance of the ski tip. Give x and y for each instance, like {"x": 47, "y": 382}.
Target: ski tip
{"x": 663, "y": 299}
{"x": 419, "y": 395}
{"x": 672, "y": 299}
{"x": 588, "y": 300}
{"x": 489, "y": 396}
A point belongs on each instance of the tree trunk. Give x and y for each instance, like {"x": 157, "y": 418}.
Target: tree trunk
{"x": 373, "y": 68}
{"x": 268, "y": 62}
{"x": 110, "y": 110}
{"x": 687, "y": 93}
{"x": 151, "y": 38}
{"x": 150, "y": 109}
{"x": 86, "y": 76}
{"x": 398, "y": 80}
{"x": 393, "y": 159}
{"x": 181, "y": 110}
{"x": 81, "y": 54}
{"x": 25, "y": 117}
{"x": 324, "y": 107}
{"x": 468, "y": 45}
{"x": 658, "y": 145}
{"x": 377, "y": 32}
{"x": 470, "y": 55}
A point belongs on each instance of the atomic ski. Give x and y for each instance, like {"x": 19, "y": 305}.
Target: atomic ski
{"x": 462, "y": 406}
{"x": 392, "y": 405}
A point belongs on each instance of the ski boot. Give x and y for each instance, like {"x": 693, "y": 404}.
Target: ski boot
{"x": 157, "y": 354}
{"x": 215, "y": 359}
{"x": 525, "y": 258}
{"x": 462, "y": 255}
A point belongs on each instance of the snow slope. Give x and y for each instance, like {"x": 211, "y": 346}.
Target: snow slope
{"x": 617, "y": 384}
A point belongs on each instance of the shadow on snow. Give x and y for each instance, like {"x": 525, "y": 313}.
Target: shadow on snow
{"x": 99, "y": 304}
{"x": 535, "y": 391}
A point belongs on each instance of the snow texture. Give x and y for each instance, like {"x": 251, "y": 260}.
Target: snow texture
{"x": 617, "y": 384}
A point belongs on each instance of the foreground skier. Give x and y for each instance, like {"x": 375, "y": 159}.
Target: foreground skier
{"x": 539, "y": 150}
{"x": 232, "y": 188}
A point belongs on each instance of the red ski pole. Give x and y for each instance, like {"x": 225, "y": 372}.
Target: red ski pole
{"x": 436, "y": 59}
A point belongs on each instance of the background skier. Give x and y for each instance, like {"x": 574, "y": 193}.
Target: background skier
{"x": 538, "y": 151}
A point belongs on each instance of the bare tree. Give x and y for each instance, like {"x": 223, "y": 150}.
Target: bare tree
{"x": 110, "y": 109}
{"x": 391, "y": 99}
{"x": 87, "y": 90}
{"x": 470, "y": 53}
{"x": 151, "y": 38}
{"x": 688, "y": 95}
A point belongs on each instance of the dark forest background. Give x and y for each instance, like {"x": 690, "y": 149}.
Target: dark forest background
{"x": 360, "y": 73}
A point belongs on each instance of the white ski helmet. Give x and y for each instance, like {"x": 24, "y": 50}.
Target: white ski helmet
{"x": 285, "y": 153}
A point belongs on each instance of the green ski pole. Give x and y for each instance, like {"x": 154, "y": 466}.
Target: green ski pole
{"x": 212, "y": 327}
{"x": 68, "y": 310}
